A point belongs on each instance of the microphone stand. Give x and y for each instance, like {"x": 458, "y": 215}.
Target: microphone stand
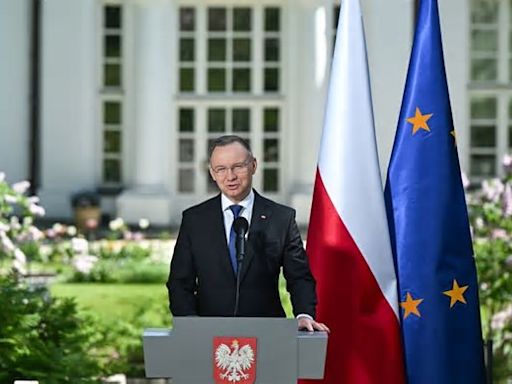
{"x": 240, "y": 254}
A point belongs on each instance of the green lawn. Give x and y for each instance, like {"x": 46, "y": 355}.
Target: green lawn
{"x": 111, "y": 302}
{"x": 148, "y": 302}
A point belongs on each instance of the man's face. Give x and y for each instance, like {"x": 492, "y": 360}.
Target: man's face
{"x": 232, "y": 168}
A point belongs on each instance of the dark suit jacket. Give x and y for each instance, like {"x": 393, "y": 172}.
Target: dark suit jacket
{"x": 202, "y": 281}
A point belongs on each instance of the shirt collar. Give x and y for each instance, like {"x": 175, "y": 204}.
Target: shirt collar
{"x": 246, "y": 203}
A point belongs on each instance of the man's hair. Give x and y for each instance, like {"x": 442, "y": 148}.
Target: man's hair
{"x": 226, "y": 140}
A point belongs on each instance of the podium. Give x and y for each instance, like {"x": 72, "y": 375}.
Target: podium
{"x": 188, "y": 353}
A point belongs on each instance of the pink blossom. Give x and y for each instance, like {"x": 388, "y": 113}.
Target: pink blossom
{"x": 36, "y": 210}
{"x": 499, "y": 233}
{"x": 35, "y": 234}
{"x": 84, "y": 263}
{"x": 80, "y": 245}
{"x": 137, "y": 236}
{"x": 58, "y": 228}
{"x": 91, "y": 223}
{"x": 6, "y": 242}
{"x": 50, "y": 233}
{"x": 33, "y": 200}
{"x": 507, "y": 163}
{"x": 20, "y": 256}
{"x": 492, "y": 189}
{"x": 21, "y": 187}
{"x": 502, "y": 318}
{"x": 15, "y": 223}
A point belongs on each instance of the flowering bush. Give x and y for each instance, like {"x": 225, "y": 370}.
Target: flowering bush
{"x": 490, "y": 210}
{"x": 46, "y": 339}
{"x": 119, "y": 261}
{"x": 17, "y": 232}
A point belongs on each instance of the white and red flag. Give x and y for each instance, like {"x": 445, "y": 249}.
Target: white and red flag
{"x": 348, "y": 238}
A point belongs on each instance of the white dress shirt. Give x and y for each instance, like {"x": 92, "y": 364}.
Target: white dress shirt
{"x": 247, "y": 204}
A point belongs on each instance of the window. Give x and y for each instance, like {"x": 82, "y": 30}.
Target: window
{"x": 112, "y": 53}
{"x": 111, "y": 94}
{"x": 271, "y": 149}
{"x": 483, "y": 136}
{"x": 490, "y": 86}
{"x": 187, "y": 49}
{"x": 272, "y": 29}
{"x": 186, "y": 150}
{"x": 218, "y": 50}
{"x": 230, "y": 82}
{"x": 229, "y": 49}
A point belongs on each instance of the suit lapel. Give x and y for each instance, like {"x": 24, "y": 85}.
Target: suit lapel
{"x": 220, "y": 238}
{"x": 259, "y": 220}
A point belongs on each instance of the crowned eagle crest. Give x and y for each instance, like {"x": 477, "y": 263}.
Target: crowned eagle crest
{"x": 233, "y": 361}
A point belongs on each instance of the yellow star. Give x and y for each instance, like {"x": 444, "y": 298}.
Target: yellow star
{"x": 419, "y": 121}
{"x": 411, "y": 306}
{"x": 454, "y": 137}
{"x": 456, "y": 293}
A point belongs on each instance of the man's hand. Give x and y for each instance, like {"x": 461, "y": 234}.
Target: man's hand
{"x": 305, "y": 323}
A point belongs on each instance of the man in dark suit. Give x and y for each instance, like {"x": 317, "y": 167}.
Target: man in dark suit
{"x": 202, "y": 281}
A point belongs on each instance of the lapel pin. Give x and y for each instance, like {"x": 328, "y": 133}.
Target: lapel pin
{"x": 263, "y": 217}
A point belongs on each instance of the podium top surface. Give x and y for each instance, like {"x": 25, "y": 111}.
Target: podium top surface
{"x": 187, "y": 351}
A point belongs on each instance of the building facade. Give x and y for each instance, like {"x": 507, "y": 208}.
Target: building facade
{"x": 132, "y": 92}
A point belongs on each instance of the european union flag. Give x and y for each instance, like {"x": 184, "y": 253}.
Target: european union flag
{"x": 429, "y": 225}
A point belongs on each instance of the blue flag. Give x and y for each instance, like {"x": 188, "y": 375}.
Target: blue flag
{"x": 427, "y": 214}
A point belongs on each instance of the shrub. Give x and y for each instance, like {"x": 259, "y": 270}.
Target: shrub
{"x": 125, "y": 271}
{"x": 45, "y": 339}
{"x": 142, "y": 272}
{"x": 490, "y": 211}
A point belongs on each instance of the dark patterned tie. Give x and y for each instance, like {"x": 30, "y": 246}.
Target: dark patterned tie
{"x": 236, "y": 209}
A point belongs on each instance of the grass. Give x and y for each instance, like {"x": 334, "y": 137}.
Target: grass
{"x": 110, "y": 302}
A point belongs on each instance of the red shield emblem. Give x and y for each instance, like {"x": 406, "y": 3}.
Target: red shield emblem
{"x": 234, "y": 360}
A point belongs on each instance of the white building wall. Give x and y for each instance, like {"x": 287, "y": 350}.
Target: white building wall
{"x": 389, "y": 33}
{"x": 14, "y": 88}
{"x": 310, "y": 50}
{"x": 69, "y": 128}
{"x": 455, "y": 30}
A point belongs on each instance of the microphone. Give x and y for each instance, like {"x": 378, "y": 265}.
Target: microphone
{"x": 240, "y": 226}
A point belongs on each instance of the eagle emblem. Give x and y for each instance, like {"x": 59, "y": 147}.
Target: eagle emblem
{"x": 234, "y": 360}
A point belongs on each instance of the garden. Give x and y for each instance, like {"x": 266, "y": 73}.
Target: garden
{"x": 75, "y": 300}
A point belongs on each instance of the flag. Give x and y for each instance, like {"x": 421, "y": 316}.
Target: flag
{"x": 429, "y": 225}
{"x": 348, "y": 239}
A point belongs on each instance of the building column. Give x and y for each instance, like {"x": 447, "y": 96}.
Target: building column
{"x": 68, "y": 101}
{"x": 149, "y": 195}
{"x": 310, "y": 50}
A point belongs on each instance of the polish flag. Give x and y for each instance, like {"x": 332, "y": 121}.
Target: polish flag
{"x": 348, "y": 240}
